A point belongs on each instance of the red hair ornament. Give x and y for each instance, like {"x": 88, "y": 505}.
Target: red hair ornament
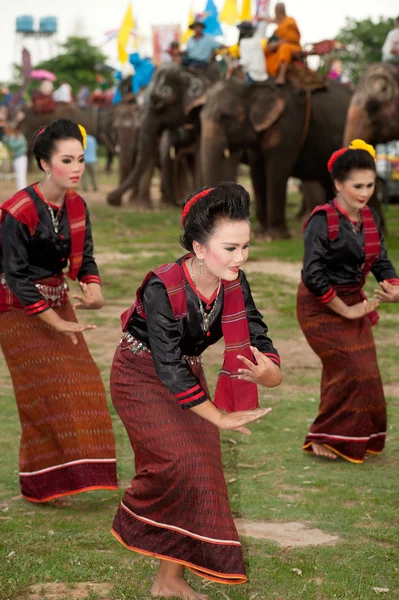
{"x": 37, "y": 135}
{"x": 334, "y": 157}
{"x": 192, "y": 201}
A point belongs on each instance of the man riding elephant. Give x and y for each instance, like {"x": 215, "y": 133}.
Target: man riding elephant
{"x": 284, "y": 43}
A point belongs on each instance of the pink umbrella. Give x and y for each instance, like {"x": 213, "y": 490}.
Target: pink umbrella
{"x": 43, "y": 74}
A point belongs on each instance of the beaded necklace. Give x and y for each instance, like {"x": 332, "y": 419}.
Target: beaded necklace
{"x": 55, "y": 218}
{"x": 206, "y": 317}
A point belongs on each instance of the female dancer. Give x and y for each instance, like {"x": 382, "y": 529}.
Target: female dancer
{"x": 67, "y": 443}
{"x": 177, "y": 506}
{"x": 343, "y": 242}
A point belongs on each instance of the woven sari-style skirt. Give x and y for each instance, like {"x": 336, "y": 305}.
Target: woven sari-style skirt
{"x": 176, "y": 507}
{"x": 67, "y": 443}
{"x": 352, "y": 413}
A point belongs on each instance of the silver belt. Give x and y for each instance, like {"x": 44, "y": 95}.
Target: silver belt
{"x": 56, "y": 295}
{"x": 136, "y": 346}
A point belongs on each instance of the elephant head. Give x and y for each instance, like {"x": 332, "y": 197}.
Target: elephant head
{"x": 236, "y": 116}
{"x": 172, "y": 96}
{"x": 373, "y": 114}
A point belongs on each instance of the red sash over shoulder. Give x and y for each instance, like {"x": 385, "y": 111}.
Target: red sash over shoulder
{"x": 231, "y": 394}
{"x": 23, "y": 209}
{"x": 372, "y": 241}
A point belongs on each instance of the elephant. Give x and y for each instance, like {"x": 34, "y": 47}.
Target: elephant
{"x": 287, "y": 132}
{"x": 97, "y": 122}
{"x": 174, "y": 95}
{"x": 373, "y": 113}
{"x": 126, "y": 120}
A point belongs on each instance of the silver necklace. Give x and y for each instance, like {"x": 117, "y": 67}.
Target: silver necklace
{"x": 206, "y": 316}
{"x": 55, "y": 218}
{"x": 356, "y": 226}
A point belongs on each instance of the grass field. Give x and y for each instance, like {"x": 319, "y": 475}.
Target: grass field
{"x": 270, "y": 479}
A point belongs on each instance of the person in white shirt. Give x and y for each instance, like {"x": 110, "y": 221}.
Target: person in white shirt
{"x": 390, "y": 49}
{"x": 63, "y": 93}
{"x": 252, "y": 45}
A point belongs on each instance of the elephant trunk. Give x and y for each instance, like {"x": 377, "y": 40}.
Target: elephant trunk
{"x": 213, "y": 148}
{"x": 357, "y": 124}
{"x": 147, "y": 148}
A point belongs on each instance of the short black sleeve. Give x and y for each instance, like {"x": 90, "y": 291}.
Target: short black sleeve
{"x": 15, "y": 240}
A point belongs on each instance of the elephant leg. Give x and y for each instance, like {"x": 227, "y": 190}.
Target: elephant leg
{"x": 140, "y": 195}
{"x": 278, "y": 168}
{"x": 109, "y": 161}
{"x": 257, "y": 168}
{"x": 313, "y": 194}
{"x": 167, "y": 160}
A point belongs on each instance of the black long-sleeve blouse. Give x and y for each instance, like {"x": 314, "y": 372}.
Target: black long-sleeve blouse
{"x": 170, "y": 339}
{"x": 25, "y": 259}
{"x": 330, "y": 263}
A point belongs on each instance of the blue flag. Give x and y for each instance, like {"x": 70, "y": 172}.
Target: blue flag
{"x": 211, "y": 21}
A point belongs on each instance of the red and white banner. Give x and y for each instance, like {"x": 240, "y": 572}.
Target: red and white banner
{"x": 262, "y": 8}
{"x": 162, "y": 37}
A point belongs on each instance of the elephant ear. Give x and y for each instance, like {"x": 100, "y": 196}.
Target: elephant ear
{"x": 194, "y": 92}
{"x": 266, "y": 106}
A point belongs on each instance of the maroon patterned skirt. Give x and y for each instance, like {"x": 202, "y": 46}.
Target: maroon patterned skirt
{"x": 177, "y": 506}
{"x": 352, "y": 413}
{"x": 67, "y": 443}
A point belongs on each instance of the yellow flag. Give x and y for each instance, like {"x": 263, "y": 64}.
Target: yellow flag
{"x": 123, "y": 36}
{"x": 229, "y": 12}
{"x": 246, "y": 11}
{"x": 189, "y": 31}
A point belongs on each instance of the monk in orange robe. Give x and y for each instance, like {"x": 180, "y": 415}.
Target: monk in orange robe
{"x": 279, "y": 53}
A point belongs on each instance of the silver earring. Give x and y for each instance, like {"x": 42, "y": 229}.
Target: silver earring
{"x": 48, "y": 173}
{"x": 201, "y": 267}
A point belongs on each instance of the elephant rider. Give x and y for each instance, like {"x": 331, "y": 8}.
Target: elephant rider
{"x": 200, "y": 47}
{"x": 283, "y": 44}
{"x": 252, "y": 44}
{"x": 390, "y": 49}
{"x": 42, "y": 99}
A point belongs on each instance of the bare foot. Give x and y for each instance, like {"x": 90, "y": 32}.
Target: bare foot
{"x": 321, "y": 450}
{"x": 175, "y": 588}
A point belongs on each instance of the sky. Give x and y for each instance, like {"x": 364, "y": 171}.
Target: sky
{"x": 317, "y": 20}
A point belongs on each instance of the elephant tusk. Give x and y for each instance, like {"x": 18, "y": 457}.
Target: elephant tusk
{"x": 172, "y": 153}
{"x": 226, "y": 153}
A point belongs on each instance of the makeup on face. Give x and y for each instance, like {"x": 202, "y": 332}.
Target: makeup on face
{"x": 67, "y": 163}
{"x": 227, "y": 249}
{"x": 356, "y": 190}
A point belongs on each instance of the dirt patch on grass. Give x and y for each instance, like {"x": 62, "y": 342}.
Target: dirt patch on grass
{"x": 294, "y": 534}
{"x": 60, "y": 591}
{"x": 391, "y": 389}
{"x": 110, "y": 258}
{"x": 288, "y": 270}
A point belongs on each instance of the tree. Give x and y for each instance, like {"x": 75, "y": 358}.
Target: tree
{"x": 363, "y": 41}
{"x": 79, "y": 63}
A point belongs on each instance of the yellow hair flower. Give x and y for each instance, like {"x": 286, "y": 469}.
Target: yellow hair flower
{"x": 362, "y": 145}
{"x": 84, "y": 134}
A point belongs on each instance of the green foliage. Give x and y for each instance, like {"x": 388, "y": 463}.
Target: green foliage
{"x": 78, "y": 63}
{"x": 363, "y": 41}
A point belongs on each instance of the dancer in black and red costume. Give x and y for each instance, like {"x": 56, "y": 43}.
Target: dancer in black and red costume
{"x": 343, "y": 243}
{"x": 67, "y": 445}
{"x": 177, "y": 506}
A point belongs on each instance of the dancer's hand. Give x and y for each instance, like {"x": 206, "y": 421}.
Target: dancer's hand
{"x": 70, "y": 328}
{"x": 263, "y": 372}
{"x": 357, "y": 311}
{"x": 237, "y": 420}
{"x": 389, "y": 292}
{"x": 92, "y": 299}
